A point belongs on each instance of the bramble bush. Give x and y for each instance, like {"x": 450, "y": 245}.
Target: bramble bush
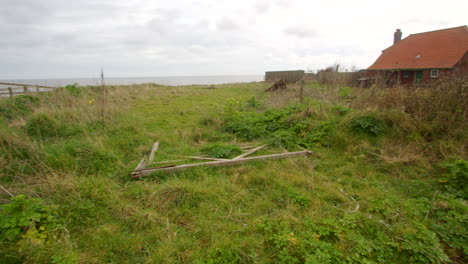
{"x": 29, "y": 220}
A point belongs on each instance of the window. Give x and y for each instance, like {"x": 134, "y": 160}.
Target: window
{"x": 434, "y": 73}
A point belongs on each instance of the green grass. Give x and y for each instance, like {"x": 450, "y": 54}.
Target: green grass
{"x": 60, "y": 150}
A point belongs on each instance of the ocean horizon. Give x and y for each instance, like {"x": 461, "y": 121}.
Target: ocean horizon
{"x": 163, "y": 80}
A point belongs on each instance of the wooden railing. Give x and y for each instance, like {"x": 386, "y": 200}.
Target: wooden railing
{"x": 26, "y": 88}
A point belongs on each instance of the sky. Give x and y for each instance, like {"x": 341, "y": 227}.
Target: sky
{"x": 137, "y": 38}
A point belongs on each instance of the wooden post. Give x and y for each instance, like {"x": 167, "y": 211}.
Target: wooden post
{"x": 25, "y": 89}
{"x": 10, "y": 91}
{"x": 37, "y": 88}
{"x": 301, "y": 92}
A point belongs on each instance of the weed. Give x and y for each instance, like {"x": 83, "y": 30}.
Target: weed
{"x": 221, "y": 151}
{"x": 29, "y": 221}
{"x": 18, "y": 106}
{"x": 369, "y": 124}
{"x": 455, "y": 177}
{"x": 73, "y": 89}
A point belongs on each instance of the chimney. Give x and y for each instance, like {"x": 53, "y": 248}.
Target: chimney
{"x": 397, "y": 36}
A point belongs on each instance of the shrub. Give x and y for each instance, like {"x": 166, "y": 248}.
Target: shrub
{"x": 341, "y": 110}
{"x": 455, "y": 177}
{"x": 73, "y": 89}
{"x": 368, "y": 124}
{"x": 28, "y": 221}
{"x": 253, "y": 103}
{"x": 344, "y": 92}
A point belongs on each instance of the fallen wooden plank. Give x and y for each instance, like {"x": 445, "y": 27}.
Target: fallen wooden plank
{"x": 147, "y": 171}
{"x": 168, "y": 161}
{"x": 202, "y": 158}
{"x": 141, "y": 165}
{"x": 248, "y": 152}
{"x": 153, "y": 150}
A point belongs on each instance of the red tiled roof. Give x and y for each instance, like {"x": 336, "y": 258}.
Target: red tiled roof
{"x": 434, "y": 49}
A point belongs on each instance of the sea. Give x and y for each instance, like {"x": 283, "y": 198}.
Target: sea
{"x": 169, "y": 80}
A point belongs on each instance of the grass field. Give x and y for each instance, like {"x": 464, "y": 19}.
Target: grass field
{"x": 386, "y": 182}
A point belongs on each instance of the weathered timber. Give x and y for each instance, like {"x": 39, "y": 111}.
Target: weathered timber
{"x": 153, "y": 150}
{"x": 147, "y": 171}
{"x": 141, "y": 165}
{"x": 168, "y": 161}
{"x": 249, "y": 152}
{"x": 202, "y": 158}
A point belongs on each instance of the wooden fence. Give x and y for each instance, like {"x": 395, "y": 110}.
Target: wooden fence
{"x": 21, "y": 89}
{"x": 286, "y": 76}
{"x": 339, "y": 78}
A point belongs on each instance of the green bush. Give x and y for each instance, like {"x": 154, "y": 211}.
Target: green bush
{"x": 344, "y": 92}
{"x": 253, "y": 103}
{"x": 455, "y": 178}
{"x": 450, "y": 221}
{"x": 28, "y": 221}
{"x": 369, "y": 124}
{"x": 73, "y": 89}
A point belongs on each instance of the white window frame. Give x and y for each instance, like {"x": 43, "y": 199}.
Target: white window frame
{"x": 434, "y": 73}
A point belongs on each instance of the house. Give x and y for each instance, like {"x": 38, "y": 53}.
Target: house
{"x": 423, "y": 57}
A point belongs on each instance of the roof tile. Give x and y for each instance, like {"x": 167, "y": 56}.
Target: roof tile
{"x": 436, "y": 49}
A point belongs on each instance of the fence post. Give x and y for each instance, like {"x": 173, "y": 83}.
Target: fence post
{"x": 25, "y": 89}
{"x": 37, "y": 88}
{"x": 10, "y": 91}
{"x": 301, "y": 92}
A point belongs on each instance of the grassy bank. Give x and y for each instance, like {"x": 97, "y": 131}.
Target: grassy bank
{"x": 386, "y": 182}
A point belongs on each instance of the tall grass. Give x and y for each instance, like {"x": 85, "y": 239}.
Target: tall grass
{"x": 58, "y": 148}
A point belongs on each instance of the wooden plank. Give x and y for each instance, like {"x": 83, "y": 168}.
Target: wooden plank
{"x": 249, "y": 152}
{"x": 145, "y": 172}
{"x": 153, "y": 150}
{"x": 202, "y": 158}
{"x": 168, "y": 161}
{"x": 141, "y": 165}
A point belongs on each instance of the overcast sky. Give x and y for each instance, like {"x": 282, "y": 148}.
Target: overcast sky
{"x": 61, "y": 39}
